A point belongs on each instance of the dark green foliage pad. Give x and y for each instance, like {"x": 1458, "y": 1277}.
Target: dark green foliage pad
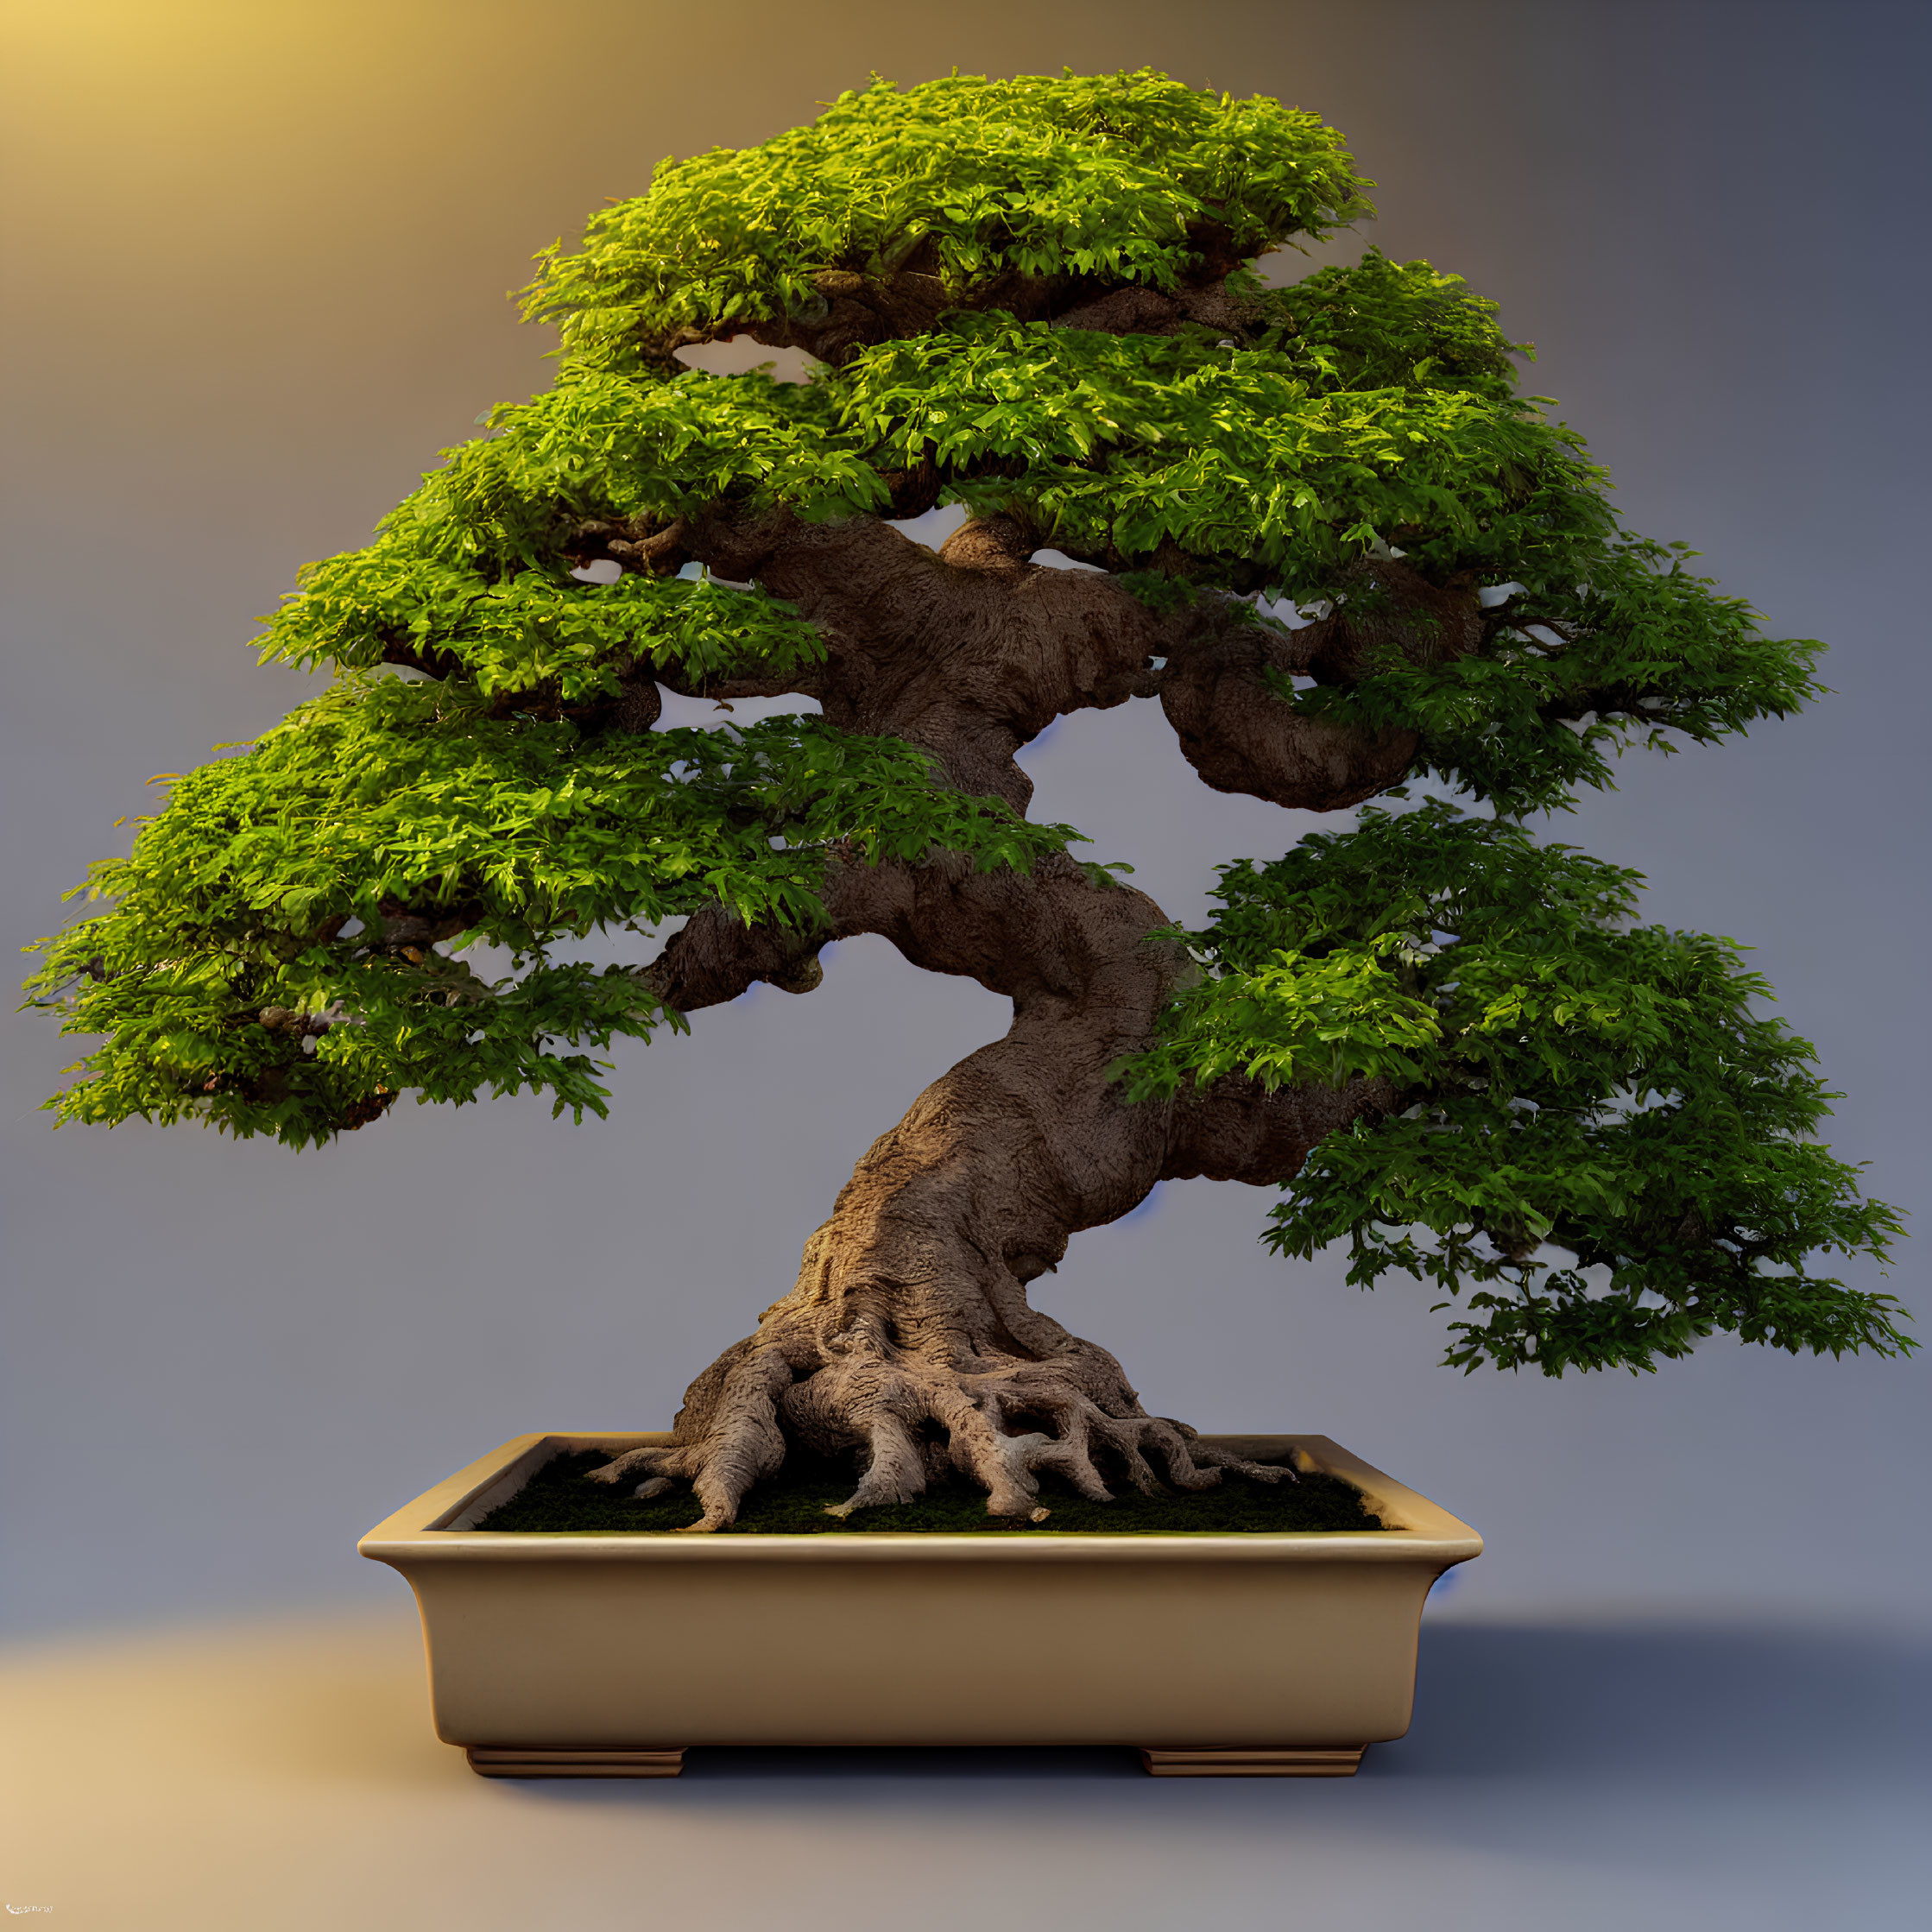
{"x": 561, "y": 1500}
{"x": 1582, "y": 1094}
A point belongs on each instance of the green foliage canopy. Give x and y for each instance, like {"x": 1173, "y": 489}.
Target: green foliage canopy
{"x": 1570, "y": 1081}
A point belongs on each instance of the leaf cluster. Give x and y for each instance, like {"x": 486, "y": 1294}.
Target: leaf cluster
{"x": 1259, "y": 464}
{"x": 536, "y": 630}
{"x": 971, "y": 180}
{"x": 275, "y": 961}
{"x": 1593, "y": 1135}
{"x": 1632, "y": 649}
{"x": 473, "y": 563}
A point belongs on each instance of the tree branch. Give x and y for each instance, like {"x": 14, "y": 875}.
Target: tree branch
{"x": 850, "y": 311}
{"x": 1238, "y": 1130}
{"x": 970, "y": 653}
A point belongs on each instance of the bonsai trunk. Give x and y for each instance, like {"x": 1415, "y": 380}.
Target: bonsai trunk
{"x": 908, "y": 1335}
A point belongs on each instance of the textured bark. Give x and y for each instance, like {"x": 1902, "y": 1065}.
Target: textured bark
{"x": 907, "y": 1336}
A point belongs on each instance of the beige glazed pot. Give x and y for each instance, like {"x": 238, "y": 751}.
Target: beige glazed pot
{"x": 594, "y": 1656}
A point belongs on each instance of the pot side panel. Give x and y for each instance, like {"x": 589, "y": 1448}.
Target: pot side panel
{"x": 540, "y": 1653}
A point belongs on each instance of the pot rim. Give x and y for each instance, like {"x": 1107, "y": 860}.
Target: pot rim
{"x": 436, "y": 1526}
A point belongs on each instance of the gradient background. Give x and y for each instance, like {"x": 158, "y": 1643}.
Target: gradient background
{"x": 254, "y": 262}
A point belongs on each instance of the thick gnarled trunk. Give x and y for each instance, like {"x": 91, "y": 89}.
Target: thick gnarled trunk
{"x": 907, "y": 1336}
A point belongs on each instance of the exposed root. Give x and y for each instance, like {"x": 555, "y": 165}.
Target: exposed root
{"x": 1002, "y": 1424}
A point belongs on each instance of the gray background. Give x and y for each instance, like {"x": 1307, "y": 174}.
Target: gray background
{"x": 255, "y": 265}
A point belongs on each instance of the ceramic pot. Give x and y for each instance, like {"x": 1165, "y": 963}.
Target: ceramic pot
{"x": 600, "y": 1656}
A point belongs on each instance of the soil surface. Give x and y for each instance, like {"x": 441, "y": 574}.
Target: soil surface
{"x": 560, "y": 1498}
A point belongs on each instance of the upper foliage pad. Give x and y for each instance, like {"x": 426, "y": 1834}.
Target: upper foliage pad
{"x": 1101, "y": 176}
{"x": 1253, "y": 463}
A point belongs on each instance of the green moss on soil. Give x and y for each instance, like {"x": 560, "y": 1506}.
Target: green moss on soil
{"x": 561, "y": 1500}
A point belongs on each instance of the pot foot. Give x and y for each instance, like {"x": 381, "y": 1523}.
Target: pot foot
{"x": 1252, "y": 1761}
{"x": 571, "y": 1761}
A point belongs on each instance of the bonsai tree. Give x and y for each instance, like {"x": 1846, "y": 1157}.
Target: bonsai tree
{"x": 1445, "y": 1040}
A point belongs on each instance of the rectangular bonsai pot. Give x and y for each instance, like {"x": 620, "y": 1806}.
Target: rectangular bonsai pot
{"x": 599, "y": 1656}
